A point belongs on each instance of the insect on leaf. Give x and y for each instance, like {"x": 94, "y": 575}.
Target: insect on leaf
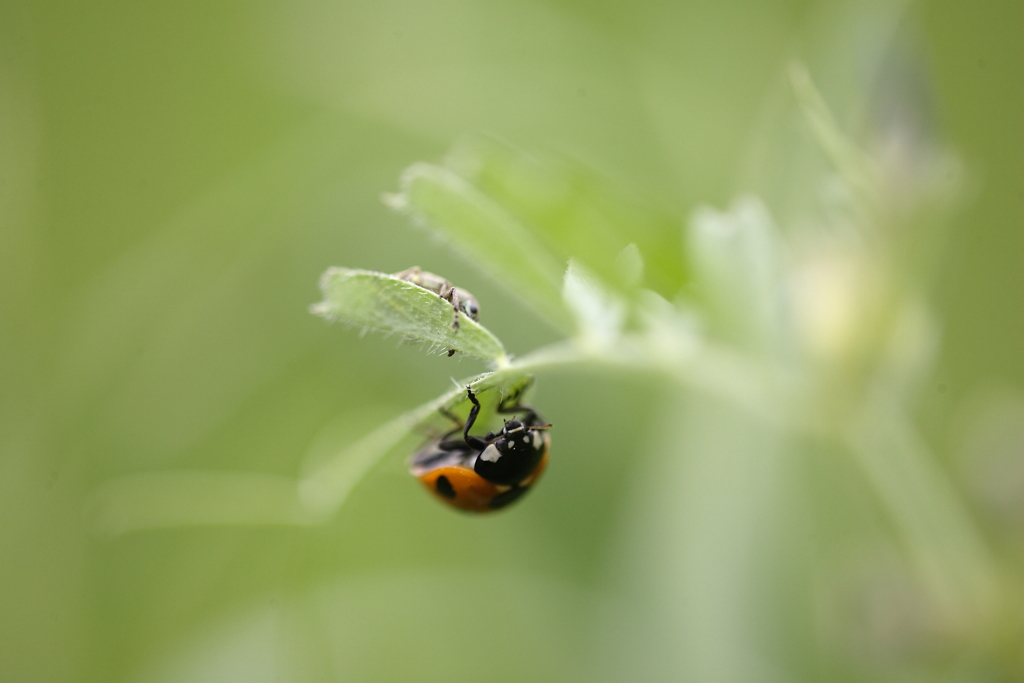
{"x": 383, "y": 302}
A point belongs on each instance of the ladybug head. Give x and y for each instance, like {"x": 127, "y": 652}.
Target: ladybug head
{"x": 513, "y": 456}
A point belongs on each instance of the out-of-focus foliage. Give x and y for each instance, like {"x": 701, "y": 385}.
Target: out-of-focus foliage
{"x": 779, "y": 343}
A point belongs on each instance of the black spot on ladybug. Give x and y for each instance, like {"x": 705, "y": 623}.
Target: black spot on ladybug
{"x": 444, "y": 487}
{"x": 507, "y": 498}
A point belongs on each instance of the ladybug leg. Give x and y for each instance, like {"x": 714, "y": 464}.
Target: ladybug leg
{"x": 474, "y": 442}
{"x": 507, "y": 498}
{"x": 455, "y": 420}
{"x": 511, "y": 404}
{"x": 429, "y": 430}
{"x": 451, "y": 416}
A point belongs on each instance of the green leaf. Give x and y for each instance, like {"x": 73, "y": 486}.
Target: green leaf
{"x": 378, "y": 301}
{"x": 736, "y": 256}
{"x": 576, "y": 212}
{"x": 599, "y": 314}
{"x": 487, "y": 234}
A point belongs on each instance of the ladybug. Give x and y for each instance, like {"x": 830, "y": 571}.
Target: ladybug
{"x": 482, "y": 474}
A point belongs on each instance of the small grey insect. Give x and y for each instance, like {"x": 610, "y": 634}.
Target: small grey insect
{"x": 461, "y": 300}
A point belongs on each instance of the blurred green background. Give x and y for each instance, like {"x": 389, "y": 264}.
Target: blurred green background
{"x": 174, "y": 177}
